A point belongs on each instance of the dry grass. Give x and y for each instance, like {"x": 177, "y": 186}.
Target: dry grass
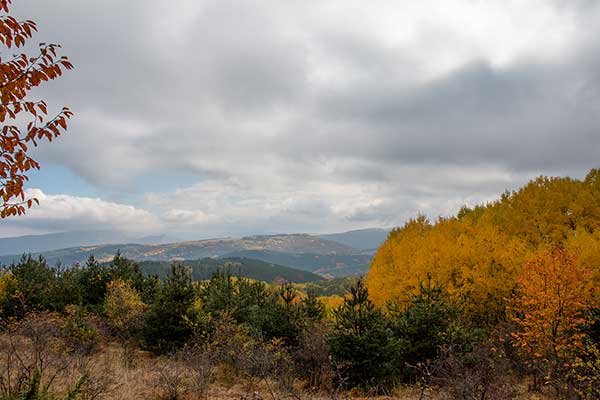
{"x": 142, "y": 376}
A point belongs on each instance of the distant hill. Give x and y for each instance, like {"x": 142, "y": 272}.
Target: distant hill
{"x": 362, "y": 239}
{"x": 255, "y": 269}
{"x": 62, "y": 240}
{"x": 327, "y": 265}
{"x": 295, "y": 243}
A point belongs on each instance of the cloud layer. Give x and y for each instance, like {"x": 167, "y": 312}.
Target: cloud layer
{"x": 288, "y": 116}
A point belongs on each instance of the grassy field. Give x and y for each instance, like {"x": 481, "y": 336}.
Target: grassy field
{"x": 114, "y": 372}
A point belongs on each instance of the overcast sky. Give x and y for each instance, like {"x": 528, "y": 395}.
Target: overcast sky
{"x": 213, "y": 118}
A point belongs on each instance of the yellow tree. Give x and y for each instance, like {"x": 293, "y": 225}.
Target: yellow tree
{"x": 123, "y": 307}
{"x": 473, "y": 260}
{"x": 25, "y": 122}
{"x": 554, "y": 293}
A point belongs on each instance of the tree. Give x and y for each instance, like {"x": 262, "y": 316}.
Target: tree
{"x": 166, "y": 327}
{"x": 550, "y": 313}
{"x": 123, "y": 308}
{"x": 25, "y": 122}
{"x": 35, "y": 282}
{"x": 363, "y": 348}
{"x": 125, "y": 313}
{"x": 93, "y": 279}
{"x": 422, "y": 326}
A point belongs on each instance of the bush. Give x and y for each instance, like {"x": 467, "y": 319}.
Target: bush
{"x": 312, "y": 357}
{"x": 484, "y": 373}
{"x": 81, "y": 334}
{"x": 33, "y": 361}
{"x": 584, "y": 376}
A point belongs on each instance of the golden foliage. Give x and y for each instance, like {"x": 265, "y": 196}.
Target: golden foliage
{"x": 554, "y": 292}
{"x": 331, "y": 302}
{"x": 123, "y": 306}
{"x": 478, "y": 254}
{"x": 7, "y": 281}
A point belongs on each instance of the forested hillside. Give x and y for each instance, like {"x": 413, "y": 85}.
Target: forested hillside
{"x": 478, "y": 254}
{"x": 326, "y": 265}
{"x": 255, "y": 269}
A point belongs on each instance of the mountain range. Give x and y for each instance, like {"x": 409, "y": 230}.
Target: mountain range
{"x": 332, "y": 255}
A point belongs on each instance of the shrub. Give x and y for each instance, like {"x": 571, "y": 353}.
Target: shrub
{"x": 312, "y": 308}
{"x": 483, "y": 373}
{"x": 81, "y": 334}
{"x": 32, "y": 358}
{"x": 584, "y": 375}
{"x": 312, "y": 357}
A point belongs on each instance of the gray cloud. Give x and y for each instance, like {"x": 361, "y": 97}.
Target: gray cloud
{"x": 314, "y": 117}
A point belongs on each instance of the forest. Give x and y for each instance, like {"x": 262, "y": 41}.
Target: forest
{"x": 498, "y": 302}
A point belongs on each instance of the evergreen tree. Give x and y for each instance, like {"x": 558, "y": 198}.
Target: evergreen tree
{"x": 362, "y": 345}
{"x": 165, "y": 328}
{"x": 93, "y": 279}
{"x": 422, "y": 326}
{"x": 35, "y": 280}
{"x": 312, "y": 308}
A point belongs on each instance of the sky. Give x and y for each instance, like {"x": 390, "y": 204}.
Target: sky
{"x": 224, "y": 118}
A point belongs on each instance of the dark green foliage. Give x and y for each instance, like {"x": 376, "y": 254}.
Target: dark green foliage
{"x": 267, "y": 314}
{"x": 311, "y": 307}
{"x": 363, "y": 347}
{"x": 254, "y": 269}
{"x": 165, "y": 328}
{"x": 150, "y": 289}
{"x": 422, "y": 325}
{"x": 76, "y": 389}
{"x": 428, "y": 325}
{"x": 93, "y": 278}
{"x": 67, "y": 289}
{"x": 41, "y": 287}
{"x": 128, "y": 271}
{"x": 35, "y": 280}
{"x": 354, "y": 264}
{"x": 33, "y": 390}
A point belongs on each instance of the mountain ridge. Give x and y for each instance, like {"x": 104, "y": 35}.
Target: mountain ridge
{"x": 290, "y": 243}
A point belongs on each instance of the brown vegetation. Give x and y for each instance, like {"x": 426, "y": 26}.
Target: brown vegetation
{"x": 222, "y": 372}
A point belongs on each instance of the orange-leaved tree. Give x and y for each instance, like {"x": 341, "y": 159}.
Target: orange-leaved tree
{"x": 554, "y": 294}
{"x": 25, "y": 122}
